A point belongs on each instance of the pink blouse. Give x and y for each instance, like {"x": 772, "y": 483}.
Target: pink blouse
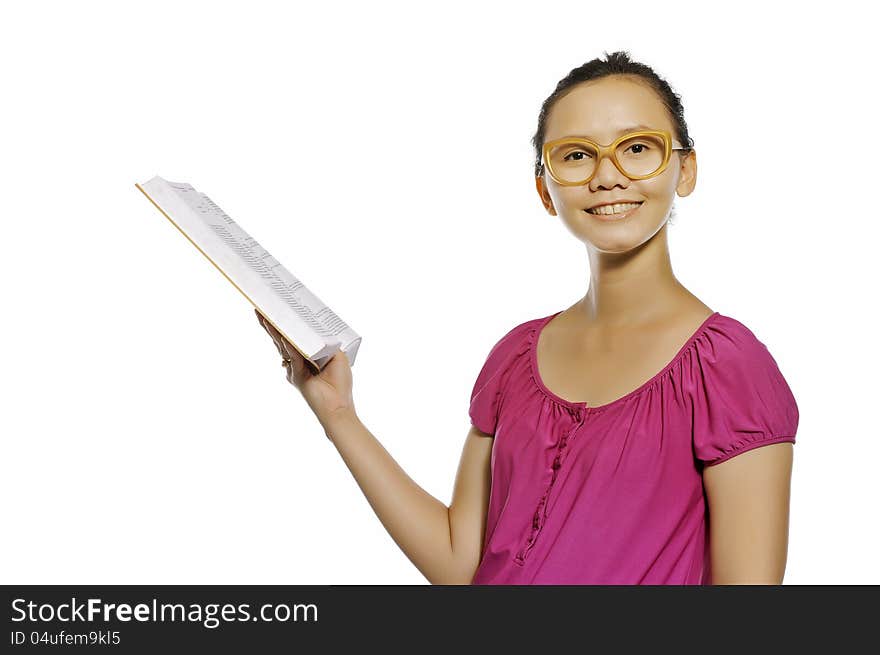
{"x": 613, "y": 494}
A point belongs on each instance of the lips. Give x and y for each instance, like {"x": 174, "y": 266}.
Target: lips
{"x": 608, "y": 205}
{"x": 614, "y": 217}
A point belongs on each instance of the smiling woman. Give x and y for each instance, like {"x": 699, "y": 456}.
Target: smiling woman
{"x": 619, "y": 422}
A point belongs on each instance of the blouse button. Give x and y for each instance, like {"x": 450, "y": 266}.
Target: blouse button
{"x": 556, "y": 463}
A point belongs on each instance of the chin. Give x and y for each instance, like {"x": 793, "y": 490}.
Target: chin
{"x": 612, "y": 249}
{"x": 615, "y": 236}
{"x": 620, "y": 239}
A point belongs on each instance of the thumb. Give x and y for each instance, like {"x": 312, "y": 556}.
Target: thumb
{"x": 340, "y": 353}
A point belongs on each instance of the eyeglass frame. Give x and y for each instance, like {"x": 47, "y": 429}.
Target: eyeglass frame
{"x": 609, "y": 151}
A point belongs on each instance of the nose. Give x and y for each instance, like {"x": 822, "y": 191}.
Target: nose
{"x": 607, "y": 175}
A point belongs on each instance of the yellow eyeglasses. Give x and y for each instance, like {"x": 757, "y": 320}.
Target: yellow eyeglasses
{"x": 638, "y": 155}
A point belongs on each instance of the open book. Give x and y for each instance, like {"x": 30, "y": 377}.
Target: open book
{"x": 297, "y": 313}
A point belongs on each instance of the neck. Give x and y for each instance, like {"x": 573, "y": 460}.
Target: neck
{"x": 633, "y": 287}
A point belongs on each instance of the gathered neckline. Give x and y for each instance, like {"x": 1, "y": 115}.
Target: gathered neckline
{"x": 535, "y": 333}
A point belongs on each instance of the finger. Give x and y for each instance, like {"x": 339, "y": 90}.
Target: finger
{"x": 292, "y": 374}
{"x": 290, "y": 352}
{"x": 260, "y": 317}
{"x": 279, "y": 348}
{"x": 296, "y": 368}
{"x": 293, "y": 365}
{"x": 275, "y": 340}
{"x": 285, "y": 348}
{"x": 276, "y": 336}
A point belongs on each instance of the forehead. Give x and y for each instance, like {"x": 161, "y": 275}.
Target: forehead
{"x": 604, "y": 109}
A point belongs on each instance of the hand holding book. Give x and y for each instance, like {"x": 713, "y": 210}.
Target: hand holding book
{"x": 327, "y": 392}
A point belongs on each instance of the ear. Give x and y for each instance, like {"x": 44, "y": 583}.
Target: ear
{"x": 688, "y": 177}
{"x": 544, "y": 195}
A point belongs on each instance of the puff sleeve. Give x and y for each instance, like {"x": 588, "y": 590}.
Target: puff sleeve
{"x": 741, "y": 401}
{"x": 488, "y": 388}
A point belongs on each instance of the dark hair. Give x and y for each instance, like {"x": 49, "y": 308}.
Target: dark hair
{"x": 617, "y": 63}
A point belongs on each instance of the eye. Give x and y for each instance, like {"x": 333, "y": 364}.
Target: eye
{"x": 644, "y": 147}
{"x": 576, "y": 152}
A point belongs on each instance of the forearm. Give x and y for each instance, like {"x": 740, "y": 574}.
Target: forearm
{"x": 418, "y": 522}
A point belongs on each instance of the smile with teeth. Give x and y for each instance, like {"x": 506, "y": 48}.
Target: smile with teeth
{"x": 609, "y": 210}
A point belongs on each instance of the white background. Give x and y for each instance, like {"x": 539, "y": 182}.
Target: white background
{"x": 381, "y": 151}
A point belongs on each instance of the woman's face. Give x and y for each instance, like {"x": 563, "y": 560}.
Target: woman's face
{"x": 602, "y": 110}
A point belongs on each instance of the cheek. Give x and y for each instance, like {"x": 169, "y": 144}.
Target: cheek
{"x": 656, "y": 188}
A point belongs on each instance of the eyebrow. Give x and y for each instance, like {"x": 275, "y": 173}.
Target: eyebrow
{"x": 623, "y": 130}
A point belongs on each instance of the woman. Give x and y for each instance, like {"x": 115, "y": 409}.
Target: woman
{"x": 636, "y": 437}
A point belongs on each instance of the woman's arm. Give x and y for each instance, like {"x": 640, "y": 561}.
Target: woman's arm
{"x": 444, "y": 543}
{"x": 749, "y": 497}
